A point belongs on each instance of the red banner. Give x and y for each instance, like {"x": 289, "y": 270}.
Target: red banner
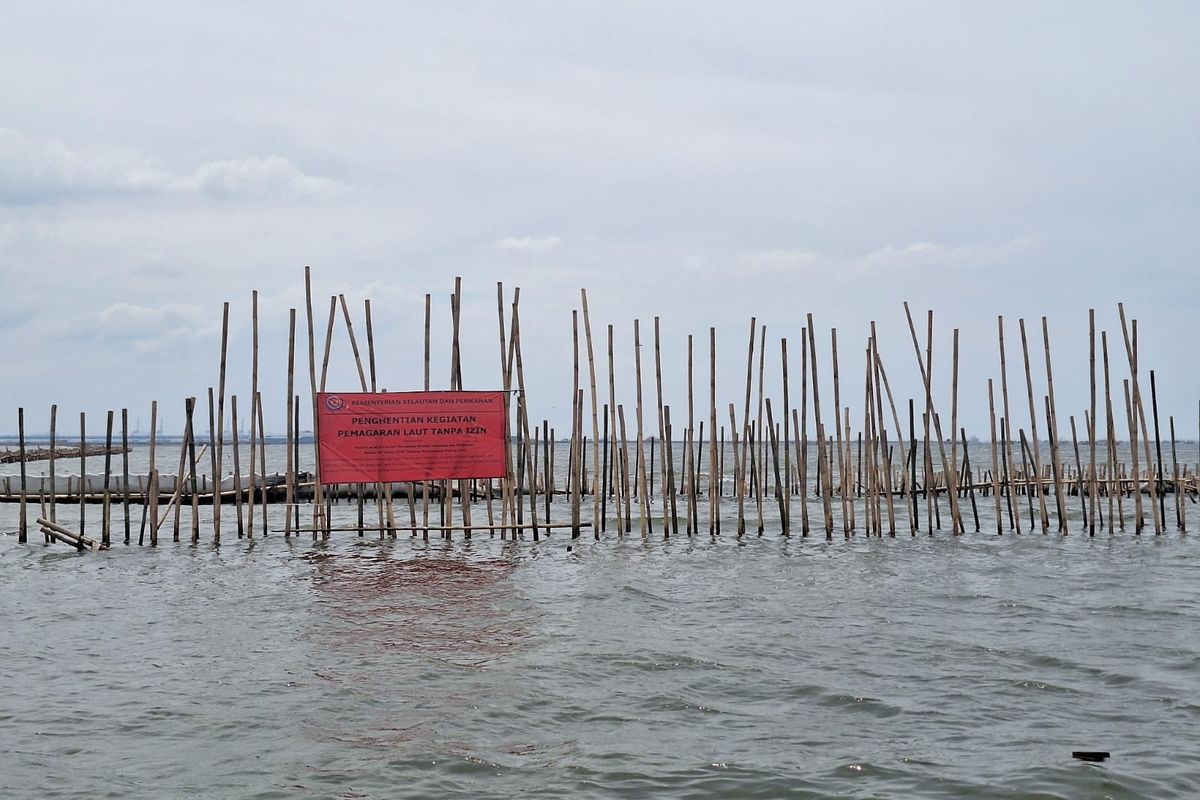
{"x": 411, "y": 436}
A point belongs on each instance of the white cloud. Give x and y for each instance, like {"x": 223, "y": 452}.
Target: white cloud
{"x": 937, "y": 254}
{"x": 38, "y": 170}
{"x": 530, "y": 244}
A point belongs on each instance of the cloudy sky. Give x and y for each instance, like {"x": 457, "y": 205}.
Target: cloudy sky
{"x": 702, "y": 162}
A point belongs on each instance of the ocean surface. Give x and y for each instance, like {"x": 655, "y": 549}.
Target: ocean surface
{"x": 759, "y": 667}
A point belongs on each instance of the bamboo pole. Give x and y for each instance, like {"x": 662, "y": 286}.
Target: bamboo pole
{"x": 995, "y": 459}
{"x": 662, "y": 428}
{"x": 1093, "y": 499}
{"x": 125, "y": 470}
{"x": 506, "y": 504}
{"x": 689, "y": 460}
{"x": 1133, "y": 458}
{"x": 926, "y": 368}
{"x": 738, "y": 478}
{"x": 150, "y": 507}
{"x": 597, "y": 515}
{"x": 53, "y": 489}
{"x": 237, "y": 465}
{"x": 173, "y": 503}
{"x": 428, "y": 321}
{"x": 643, "y": 496}
{"x": 787, "y": 438}
{"x": 1162, "y": 509}
{"x": 1015, "y": 506}
{"x": 1180, "y": 515}
{"x": 262, "y": 460}
{"x": 82, "y": 471}
{"x": 23, "y": 525}
{"x": 802, "y": 427}
{"x": 714, "y": 476}
{"x": 523, "y": 410}
{"x": 1055, "y": 457}
{"x": 289, "y": 462}
{"x": 969, "y": 478}
{"x": 190, "y": 408}
{"x": 615, "y": 445}
{"x": 254, "y": 420}
{"x": 779, "y": 493}
{"x": 1035, "y": 453}
{"x": 625, "y": 491}
{"x": 318, "y": 504}
{"x": 576, "y": 477}
{"x": 218, "y": 452}
{"x": 1111, "y": 435}
{"x": 216, "y": 473}
{"x": 759, "y": 453}
{"x": 842, "y": 460}
{"x": 743, "y": 455}
{"x": 879, "y": 378}
{"x": 822, "y": 459}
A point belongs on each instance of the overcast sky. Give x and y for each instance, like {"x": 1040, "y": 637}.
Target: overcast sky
{"x": 702, "y": 162}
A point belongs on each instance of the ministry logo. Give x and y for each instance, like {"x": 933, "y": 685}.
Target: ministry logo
{"x": 334, "y": 403}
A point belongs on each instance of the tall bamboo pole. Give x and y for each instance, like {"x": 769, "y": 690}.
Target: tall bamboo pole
{"x": 218, "y": 450}
{"x": 598, "y": 487}
{"x": 1016, "y": 507}
{"x": 318, "y": 501}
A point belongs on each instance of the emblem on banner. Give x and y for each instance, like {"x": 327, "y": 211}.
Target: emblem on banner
{"x": 334, "y": 403}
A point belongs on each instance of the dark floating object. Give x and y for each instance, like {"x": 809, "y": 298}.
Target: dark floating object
{"x": 1091, "y": 755}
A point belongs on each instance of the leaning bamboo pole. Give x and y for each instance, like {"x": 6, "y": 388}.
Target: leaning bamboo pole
{"x": 598, "y": 486}
{"x": 318, "y": 500}
{"x": 1055, "y": 458}
{"x": 1007, "y": 438}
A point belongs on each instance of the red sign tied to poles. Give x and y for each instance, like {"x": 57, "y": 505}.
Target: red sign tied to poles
{"x": 411, "y": 436}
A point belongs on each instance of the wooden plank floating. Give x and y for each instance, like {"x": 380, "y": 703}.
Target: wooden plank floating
{"x": 837, "y": 469}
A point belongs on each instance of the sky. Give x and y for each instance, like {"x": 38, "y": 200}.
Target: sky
{"x": 699, "y": 162}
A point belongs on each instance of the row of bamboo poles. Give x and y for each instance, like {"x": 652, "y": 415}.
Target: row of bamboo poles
{"x": 774, "y": 468}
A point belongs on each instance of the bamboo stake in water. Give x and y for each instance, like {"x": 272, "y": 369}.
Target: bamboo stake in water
{"x": 995, "y": 460}
{"x": 738, "y": 477}
{"x": 1162, "y": 509}
{"x": 23, "y": 528}
{"x": 318, "y": 505}
{"x": 597, "y": 516}
{"x": 625, "y": 490}
{"x": 216, "y": 471}
{"x": 53, "y": 447}
{"x": 82, "y": 471}
{"x": 714, "y": 477}
{"x": 262, "y": 461}
{"x": 523, "y": 411}
{"x": 779, "y": 493}
{"x": 125, "y": 469}
{"x": 802, "y": 427}
{"x": 218, "y": 452}
{"x": 1111, "y": 435}
{"x": 644, "y": 500}
{"x": 1093, "y": 499}
{"x": 152, "y": 484}
{"x": 1007, "y": 439}
{"x": 1035, "y": 453}
{"x": 237, "y": 465}
{"x": 292, "y": 411}
{"x": 106, "y": 498}
{"x": 1055, "y": 457}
